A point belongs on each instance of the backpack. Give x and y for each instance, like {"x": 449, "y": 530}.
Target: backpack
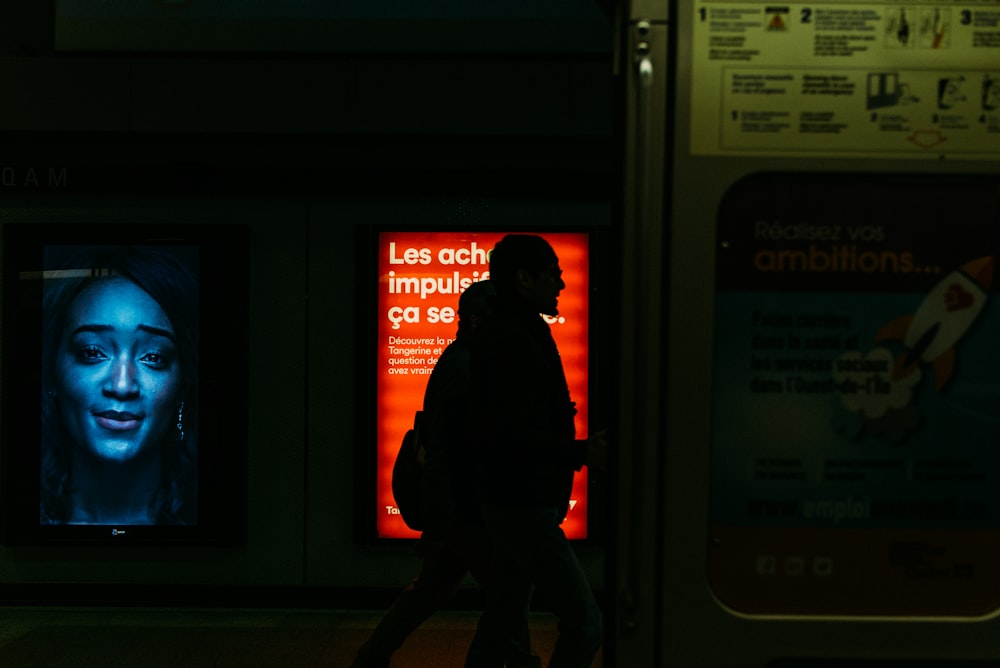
{"x": 407, "y": 471}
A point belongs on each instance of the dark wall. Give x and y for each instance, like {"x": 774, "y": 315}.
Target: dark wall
{"x": 309, "y": 149}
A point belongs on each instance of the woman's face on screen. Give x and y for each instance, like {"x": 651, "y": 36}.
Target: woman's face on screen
{"x": 118, "y": 374}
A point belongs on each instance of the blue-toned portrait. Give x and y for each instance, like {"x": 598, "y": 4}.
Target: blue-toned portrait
{"x": 119, "y": 432}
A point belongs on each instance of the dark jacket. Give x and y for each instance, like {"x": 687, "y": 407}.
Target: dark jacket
{"x": 523, "y": 412}
{"x": 447, "y": 492}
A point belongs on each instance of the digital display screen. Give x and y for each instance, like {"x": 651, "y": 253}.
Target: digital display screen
{"x": 452, "y": 9}
{"x": 318, "y": 25}
{"x": 111, "y": 343}
{"x": 421, "y": 275}
{"x": 119, "y": 440}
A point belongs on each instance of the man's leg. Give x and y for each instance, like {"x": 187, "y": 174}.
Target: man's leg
{"x": 540, "y": 551}
{"x": 473, "y": 544}
{"x": 503, "y": 626}
{"x": 441, "y": 574}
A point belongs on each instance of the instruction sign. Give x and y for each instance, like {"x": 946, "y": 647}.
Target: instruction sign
{"x": 862, "y": 79}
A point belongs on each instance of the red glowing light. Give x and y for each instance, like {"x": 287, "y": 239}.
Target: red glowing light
{"x": 421, "y": 275}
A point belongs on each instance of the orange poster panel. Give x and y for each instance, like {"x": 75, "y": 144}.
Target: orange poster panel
{"x": 421, "y": 275}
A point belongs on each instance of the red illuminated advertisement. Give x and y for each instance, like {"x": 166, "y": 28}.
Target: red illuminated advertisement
{"x": 421, "y": 275}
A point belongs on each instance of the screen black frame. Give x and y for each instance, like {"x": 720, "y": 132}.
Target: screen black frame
{"x": 180, "y": 29}
{"x": 602, "y": 253}
{"x": 223, "y": 376}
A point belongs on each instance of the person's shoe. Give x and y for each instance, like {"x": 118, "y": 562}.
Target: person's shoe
{"x": 527, "y": 661}
{"x": 361, "y": 662}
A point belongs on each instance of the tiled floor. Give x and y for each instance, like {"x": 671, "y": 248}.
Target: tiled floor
{"x": 110, "y": 637}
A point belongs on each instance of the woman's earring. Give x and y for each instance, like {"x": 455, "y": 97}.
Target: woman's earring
{"x": 180, "y": 421}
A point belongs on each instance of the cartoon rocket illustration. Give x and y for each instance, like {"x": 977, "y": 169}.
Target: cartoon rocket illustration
{"x": 944, "y": 316}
